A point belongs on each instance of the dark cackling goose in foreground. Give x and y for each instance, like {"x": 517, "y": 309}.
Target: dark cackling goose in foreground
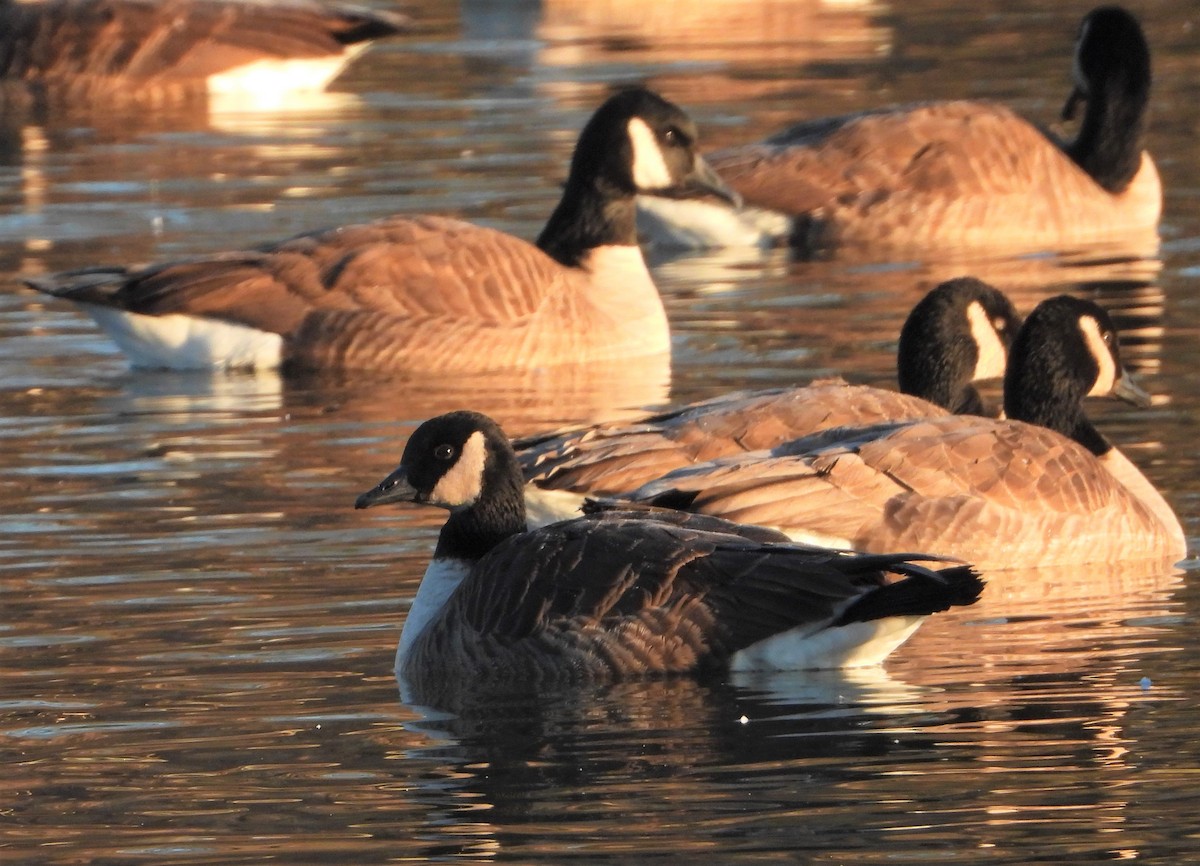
{"x": 1040, "y": 489}
{"x": 958, "y": 334}
{"x": 427, "y": 293}
{"x": 947, "y": 173}
{"x": 622, "y": 593}
{"x": 222, "y": 45}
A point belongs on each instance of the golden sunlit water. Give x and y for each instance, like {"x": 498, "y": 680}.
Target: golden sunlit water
{"x": 197, "y": 629}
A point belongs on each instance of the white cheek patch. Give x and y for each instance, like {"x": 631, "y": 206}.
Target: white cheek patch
{"x": 650, "y": 170}
{"x": 992, "y": 356}
{"x": 1106, "y": 379}
{"x": 462, "y": 485}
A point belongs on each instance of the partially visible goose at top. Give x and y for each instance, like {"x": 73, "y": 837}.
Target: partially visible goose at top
{"x": 948, "y": 173}
{"x": 1044, "y": 488}
{"x": 628, "y": 592}
{"x": 223, "y": 45}
{"x": 426, "y": 293}
{"x": 958, "y": 334}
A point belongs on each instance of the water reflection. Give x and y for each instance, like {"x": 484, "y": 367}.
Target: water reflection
{"x": 199, "y": 631}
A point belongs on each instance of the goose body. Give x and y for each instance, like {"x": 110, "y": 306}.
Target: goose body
{"x": 960, "y": 173}
{"x": 1042, "y": 488}
{"x": 628, "y": 592}
{"x": 221, "y": 45}
{"x": 957, "y": 334}
{"x": 425, "y": 293}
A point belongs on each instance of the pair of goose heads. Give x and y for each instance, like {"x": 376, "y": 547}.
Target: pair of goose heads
{"x": 435, "y": 294}
{"x": 630, "y": 589}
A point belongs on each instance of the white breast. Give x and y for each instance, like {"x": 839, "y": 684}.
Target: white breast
{"x": 441, "y": 579}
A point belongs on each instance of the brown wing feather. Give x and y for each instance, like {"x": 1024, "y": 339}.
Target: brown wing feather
{"x": 998, "y": 494}
{"x": 922, "y": 172}
{"x": 416, "y": 267}
{"x": 176, "y": 40}
{"x": 613, "y": 459}
{"x": 623, "y": 594}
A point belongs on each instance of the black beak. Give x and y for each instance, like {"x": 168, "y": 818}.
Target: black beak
{"x": 1130, "y": 391}
{"x": 394, "y": 488}
{"x": 702, "y": 180}
{"x": 1077, "y": 96}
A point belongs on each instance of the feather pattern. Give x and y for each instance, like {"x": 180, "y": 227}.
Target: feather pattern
{"x": 435, "y": 294}
{"x": 939, "y": 358}
{"x": 140, "y": 43}
{"x": 959, "y": 173}
{"x": 627, "y": 591}
{"x": 1045, "y": 488}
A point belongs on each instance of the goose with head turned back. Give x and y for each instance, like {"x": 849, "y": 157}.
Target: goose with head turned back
{"x": 427, "y": 293}
{"x": 958, "y": 334}
{"x": 628, "y": 592}
{"x": 95, "y": 47}
{"x": 1042, "y": 488}
{"x": 955, "y": 173}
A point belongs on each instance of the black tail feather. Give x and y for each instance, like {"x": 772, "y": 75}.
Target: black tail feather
{"x": 920, "y": 594}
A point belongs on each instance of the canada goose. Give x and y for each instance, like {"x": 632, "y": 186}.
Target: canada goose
{"x": 222, "y": 45}
{"x": 426, "y": 293}
{"x": 948, "y": 173}
{"x": 957, "y": 334}
{"x": 628, "y": 592}
{"x": 1045, "y": 488}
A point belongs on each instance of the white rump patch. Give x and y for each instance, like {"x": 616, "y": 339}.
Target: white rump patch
{"x": 1106, "y": 379}
{"x": 992, "y": 357}
{"x": 274, "y": 75}
{"x": 695, "y": 224}
{"x": 442, "y": 578}
{"x": 649, "y": 168}
{"x": 858, "y": 644}
{"x": 179, "y": 342}
{"x": 461, "y": 486}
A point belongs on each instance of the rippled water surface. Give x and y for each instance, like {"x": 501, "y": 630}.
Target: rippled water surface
{"x": 198, "y": 631}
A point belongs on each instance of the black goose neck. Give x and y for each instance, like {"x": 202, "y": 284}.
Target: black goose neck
{"x": 1112, "y": 134}
{"x": 591, "y": 214}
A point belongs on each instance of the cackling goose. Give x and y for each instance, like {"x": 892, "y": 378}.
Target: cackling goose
{"x": 628, "y": 592}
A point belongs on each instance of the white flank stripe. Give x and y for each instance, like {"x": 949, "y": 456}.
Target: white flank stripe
{"x": 856, "y": 645}
{"x": 271, "y": 75}
{"x": 543, "y": 507}
{"x": 178, "y": 342}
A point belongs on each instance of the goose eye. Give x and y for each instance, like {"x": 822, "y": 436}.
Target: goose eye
{"x": 673, "y": 137}
{"x": 1000, "y": 325}
{"x": 1108, "y": 338}
{"x": 444, "y": 452}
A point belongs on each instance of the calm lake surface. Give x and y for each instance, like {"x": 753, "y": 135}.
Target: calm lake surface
{"x": 197, "y": 629}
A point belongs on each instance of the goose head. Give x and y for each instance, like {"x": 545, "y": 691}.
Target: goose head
{"x": 463, "y": 462}
{"x": 1067, "y": 350}
{"x": 636, "y": 142}
{"x": 959, "y": 333}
